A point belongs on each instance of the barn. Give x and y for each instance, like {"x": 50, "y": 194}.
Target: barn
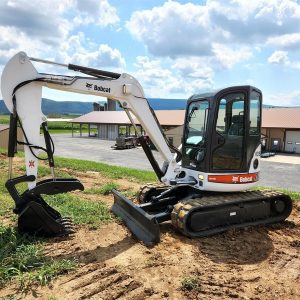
{"x": 280, "y": 126}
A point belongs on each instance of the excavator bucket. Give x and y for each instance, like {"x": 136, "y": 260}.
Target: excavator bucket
{"x": 143, "y": 225}
{"x": 40, "y": 219}
{"x": 35, "y": 216}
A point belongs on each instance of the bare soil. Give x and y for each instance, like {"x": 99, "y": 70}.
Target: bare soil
{"x": 252, "y": 263}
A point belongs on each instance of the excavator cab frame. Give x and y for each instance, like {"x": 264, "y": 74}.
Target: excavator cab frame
{"x": 230, "y": 122}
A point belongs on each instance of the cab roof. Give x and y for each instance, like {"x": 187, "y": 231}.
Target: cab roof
{"x": 212, "y": 94}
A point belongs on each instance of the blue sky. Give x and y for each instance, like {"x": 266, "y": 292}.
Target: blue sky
{"x": 174, "y": 48}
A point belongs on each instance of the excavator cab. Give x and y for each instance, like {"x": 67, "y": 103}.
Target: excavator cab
{"x": 222, "y": 131}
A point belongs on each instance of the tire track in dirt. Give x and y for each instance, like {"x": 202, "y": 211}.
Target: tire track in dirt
{"x": 98, "y": 281}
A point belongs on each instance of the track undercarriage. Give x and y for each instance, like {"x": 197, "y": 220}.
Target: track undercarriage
{"x": 196, "y": 213}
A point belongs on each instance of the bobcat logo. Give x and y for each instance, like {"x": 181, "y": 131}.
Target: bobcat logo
{"x": 89, "y": 85}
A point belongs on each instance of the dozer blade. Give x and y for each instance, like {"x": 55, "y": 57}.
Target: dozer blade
{"x": 143, "y": 225}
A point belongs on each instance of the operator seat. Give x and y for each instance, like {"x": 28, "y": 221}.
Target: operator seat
{"x": 237, "y": 126}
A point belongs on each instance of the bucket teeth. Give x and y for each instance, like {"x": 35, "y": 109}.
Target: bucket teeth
{"x": 67, "y": 224}
{"x": 65, "y": 221}
{"x": 67, "y": 218}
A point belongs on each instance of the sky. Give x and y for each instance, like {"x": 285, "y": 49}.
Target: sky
{"x": 173, "y": 48}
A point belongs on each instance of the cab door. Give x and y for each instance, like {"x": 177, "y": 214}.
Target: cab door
{"x": 229, "y": 133}
{"x": 236, "y": 133}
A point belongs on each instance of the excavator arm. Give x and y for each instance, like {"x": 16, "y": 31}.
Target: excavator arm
{"x": 22, "y": 86}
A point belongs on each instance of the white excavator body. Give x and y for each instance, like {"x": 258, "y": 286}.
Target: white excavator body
{"x": 220, "y": 153}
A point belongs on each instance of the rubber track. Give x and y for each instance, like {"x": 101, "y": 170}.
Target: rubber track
{"x": 144, "y": 190}
{"x": 183, "y": 210}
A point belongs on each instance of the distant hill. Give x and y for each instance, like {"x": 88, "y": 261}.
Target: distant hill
{"x": 66, "y": 107}
{"x": 3, "y": 109}
{"x": 59, "y": 107}
{"x": 76, "y": 107}
{"x": 80, "y": 108}
{"x": 165, "y": 104}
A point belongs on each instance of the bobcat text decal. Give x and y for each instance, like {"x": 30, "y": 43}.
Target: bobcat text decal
{"x": 233, "y": 179}
{"x": 97, "y": 88}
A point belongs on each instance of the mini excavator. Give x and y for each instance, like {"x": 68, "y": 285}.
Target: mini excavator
{"x": 203, "y": 185}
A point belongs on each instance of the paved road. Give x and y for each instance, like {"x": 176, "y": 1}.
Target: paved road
{"x": 280, "y": 175}
{"x": 100, "y": 150}
{"x": 273, "y": 173}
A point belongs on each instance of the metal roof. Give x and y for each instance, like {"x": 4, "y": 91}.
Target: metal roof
{"x": 165, "y": 117}
{"x": 103, "y": 117}
{"x": 170, "y": 117}
{"x": 281, "y": 117}
{"x": 271, "y": 117}
{"x": 3, "y": 127}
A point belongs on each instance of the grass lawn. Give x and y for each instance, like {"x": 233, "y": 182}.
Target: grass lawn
{"x": 4, "y": 119}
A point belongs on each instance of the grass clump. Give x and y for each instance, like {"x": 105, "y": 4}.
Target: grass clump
{"x": 109, "y": 171}
{"x": 295, "y": 196}
{"x": 189, "y": 283}
{"x": 82, "y": 211}
{"x": 103, "y": 190}
{"x": 22, "y": 259}
{"x": 130, "y": 193}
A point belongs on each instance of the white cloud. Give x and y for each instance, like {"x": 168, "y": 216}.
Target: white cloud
{"x": 96, "y": 12}
{"x": 188, "y": 44}
{"x": 77, "y": 49}
{"x": 174, "y": 29}
{"x": 36, "y": 19}
{"x": 279, "y": 57}
{"x": 155, "y": 79}
{"x": 36, "y": 27}
{"x": 185, "y": 79}
{"x": 228, "y": 57}
{"x": 13, "y": 41}
{"x": 193, "y": 67}
{"x": 282, "y": 58}
{"x": 104, "y": 56}
{"x": 255, "y": 21}
{"x": 286, "y": 41}
{"x": 42, "y": 28}
{"x": 200, "y": 39}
